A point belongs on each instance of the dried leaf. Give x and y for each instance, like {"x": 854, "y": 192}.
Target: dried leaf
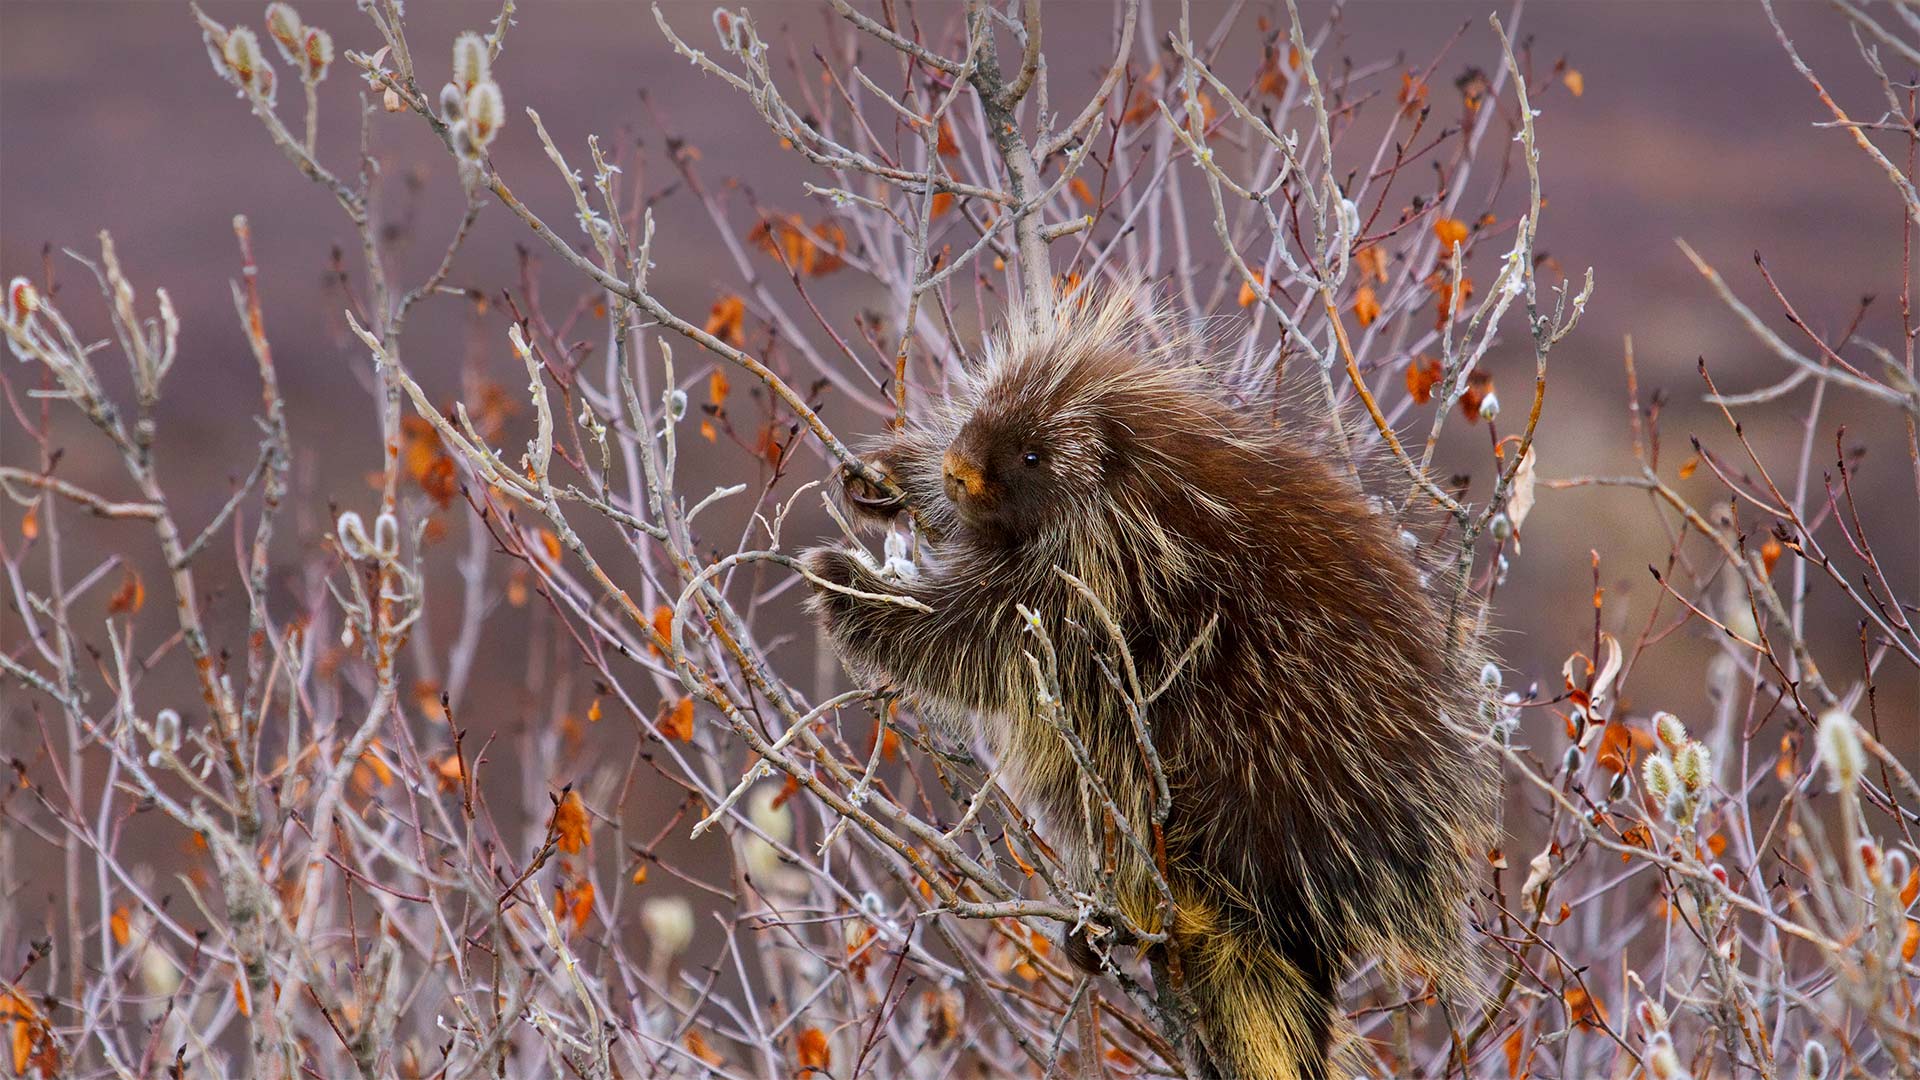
{"x": 717, "y": 388}
{"x": 1372, "y": 262}
{"x": 1366, "y": 306}
{"x": 1451, "y": 231}
{"x": 570, "y": 826}
{"x": 118, "y": 923}
{"x": 1520, "y": 496}
{"x": 1575, "y": 82}
{"x": 1423, "y": 372}
{"x": 727, "y": 320}
{"x": 942, "y": 202}
{"x": 697, "y": 1046}
{"x": 130, "y": 596}
{"x": 677, "y": 723}
{"x": 948, "y": 146}
{"x": 662, "y": 627}
{"x": 1479, "y": 385}
{"x": 812, "y": 1049}
{"x": 1770, "y": 554}
{"x": 1248, "y": 294}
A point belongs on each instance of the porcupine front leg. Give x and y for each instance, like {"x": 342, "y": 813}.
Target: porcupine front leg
{"x": 945, "y": 652}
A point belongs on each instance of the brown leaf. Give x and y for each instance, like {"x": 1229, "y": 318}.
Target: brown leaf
{"x": 130, "y": 596}
{"x": 812, "y": 1049}
{"x": 677, "y": 722}
{"x": 727, "y": 320}
{"x": 570, "y": 826}
{"x": 1479, "y": 385}
{"x": 1366, "y": 306}
{"x": 1423, "y": 372}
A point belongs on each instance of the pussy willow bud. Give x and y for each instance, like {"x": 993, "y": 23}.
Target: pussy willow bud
{"x": 165, "y": 736}
{"x": 1572, "y": 762}
{"x": 668, "y": 922}
{"x": 1490, "y": 676}
{"x": 317, "y": 54}
{"x": 486, "y": 111}
{"x": 1672, "y": 733}
{"x": 453, "y": 103}
{"x": 470, "y": 62}
{"x": 242, "y": 53}
{"x": 1657, "y": 776}
{"x": 727, "y": 25}
{"x": 677, "y": 404}
{"x": 1662, "y": 1062}
{"x": 1840, "y": 748}
{"x": 386, "y": 535}
{"x": 22, "y": 301}
{"x": 1501, "y": 526}
{"x": 1651, "y": 1016}
{"x": 283, "y": 26}
{"x": 1680, "y": 809}
{"x": 1490, "y": 406}
{"x": 463, "y": 141}
{"x": 352, "y": 533}
{"x": 1813, "y": 1061}
{"x": 1694, "y": 765}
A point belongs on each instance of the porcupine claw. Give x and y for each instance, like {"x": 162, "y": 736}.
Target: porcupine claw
{"x": 866, "y": 496}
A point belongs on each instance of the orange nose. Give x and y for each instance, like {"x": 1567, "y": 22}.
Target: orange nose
{"x": 962, "y": 476}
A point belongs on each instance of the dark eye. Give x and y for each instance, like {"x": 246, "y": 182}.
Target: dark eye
{"x": 1032, "y": 458}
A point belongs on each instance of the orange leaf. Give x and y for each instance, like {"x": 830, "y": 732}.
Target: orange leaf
{"x": 678, "y": 721}
{"x": 1689, "y": 466}
{"x": 573, "y": 900}
{"x": 1514, "y": 1045}
{"x": 1422, "y": 373}
{"x": 593, "y": 712}
{"x": 122, "y": 929}
{"x": 451, "y": 771}
{"x": 812, "y": 1049}
{"x": 570, "y": 826}
{"x": 1479, "y": 385}
{"x": 1080, "y": 190}
{"x": 640, "y": 874}
{"x": 1576, "y": 83}
{"x": 1911, "y": 889}
{"x": 30, "y": 523}
{"x": 942, "y": 202}
{"x": 727, "y": 320}
{"x": 1248, "y": 294}
{"x": 1413, "y": 93}
{"x": 1770, "y": 554}
{"x": 709, "y": 432}
{"x": 1372, "y": 261}
{"x": 948, "y": 146}
{"x": 130, "y": 596}
{"x": 240, "y": 999}
{"x": 662, "y": 626}
{"x": 1451, "y": 231}
{"x": 1366, "y": 306}
{"x": 717, "y": 388}
{"x": 1911, "y": 945}
{"x": 697, "y": 1046}
{"x": 1582, "y": 1009}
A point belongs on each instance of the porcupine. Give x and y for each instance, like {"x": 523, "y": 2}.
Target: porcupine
{"x": 1330, "y": 796}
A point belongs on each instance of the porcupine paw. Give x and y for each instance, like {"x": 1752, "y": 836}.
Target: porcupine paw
{"x": 865, "y": 497}
{"x": 1085, "y": 944}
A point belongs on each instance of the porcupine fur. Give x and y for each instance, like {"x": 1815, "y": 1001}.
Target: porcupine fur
{"x": 1331, "y": 797}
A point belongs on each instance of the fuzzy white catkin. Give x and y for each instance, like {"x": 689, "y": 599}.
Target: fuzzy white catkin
{"x": 1672, "y": 733}
{"x": 486, "y": 110}
{"x": 284, "y": 27}
{"x": 1840, "y": 747}
{"x": 1657, "y": 775}
{"x": 668, "y": 922}
{"x": 470, "y": 63}
{"x": 1694, "y": 766}
{"x": 317, "y": 49}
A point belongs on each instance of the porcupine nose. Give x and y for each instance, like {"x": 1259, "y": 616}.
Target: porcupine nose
{"x": 962, "y": 477}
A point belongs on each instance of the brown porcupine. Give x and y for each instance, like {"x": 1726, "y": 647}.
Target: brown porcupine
{"x": 1330, "y": 798}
